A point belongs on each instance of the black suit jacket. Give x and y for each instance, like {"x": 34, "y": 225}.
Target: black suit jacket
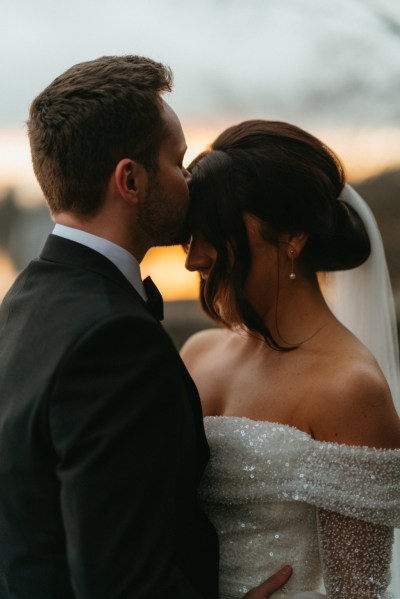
{"x": 101, "y": 441}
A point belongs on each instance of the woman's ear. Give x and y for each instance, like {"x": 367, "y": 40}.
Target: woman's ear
{"x": 295, "y": 243}
{"x": 130, "y": 180}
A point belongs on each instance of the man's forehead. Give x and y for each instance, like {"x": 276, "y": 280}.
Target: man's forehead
{"x": 173, "y": 122}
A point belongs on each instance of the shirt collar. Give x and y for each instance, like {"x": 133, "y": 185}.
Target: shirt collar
{"x": 121, "y": 258}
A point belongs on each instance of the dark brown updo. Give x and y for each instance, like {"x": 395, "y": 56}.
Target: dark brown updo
{"x": 291, "y": 182}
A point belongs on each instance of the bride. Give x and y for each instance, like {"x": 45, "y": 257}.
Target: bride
{"x": 297, "y": 384}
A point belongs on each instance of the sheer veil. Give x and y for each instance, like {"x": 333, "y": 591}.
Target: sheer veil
{"x": 362, "y": 300}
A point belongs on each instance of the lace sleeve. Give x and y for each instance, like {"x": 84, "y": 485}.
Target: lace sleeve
{"x": 355, "y": 557}
{"x": 360, "y": 482}
{"x": 357, "y": 494}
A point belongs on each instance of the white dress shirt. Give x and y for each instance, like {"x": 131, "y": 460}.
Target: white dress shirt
{"x": 121, "y": 258}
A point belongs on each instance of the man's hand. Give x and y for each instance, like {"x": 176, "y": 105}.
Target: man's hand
{"x": 272, "y": 584}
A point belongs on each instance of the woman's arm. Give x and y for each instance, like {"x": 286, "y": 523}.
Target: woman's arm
{"x": 355, "y": 478}
{"x": 355, "y": 556}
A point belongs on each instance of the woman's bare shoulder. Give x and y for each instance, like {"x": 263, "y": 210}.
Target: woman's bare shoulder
{"x": 202, "y": 342}
{"x": 354, "y": 404}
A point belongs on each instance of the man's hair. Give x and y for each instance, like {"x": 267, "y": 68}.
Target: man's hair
{"x": 91, "y": 117}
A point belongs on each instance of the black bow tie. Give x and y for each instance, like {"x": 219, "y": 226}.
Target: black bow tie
{"x": 154, "y": 302}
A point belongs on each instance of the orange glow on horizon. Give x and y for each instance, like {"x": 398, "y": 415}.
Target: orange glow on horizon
{"x": 365, "y": 151}
{"x": 166, "y": 266}
{"x": 8, "y": 274}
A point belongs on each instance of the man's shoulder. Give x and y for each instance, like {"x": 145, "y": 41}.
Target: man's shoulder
{"x": 58, "y": 300}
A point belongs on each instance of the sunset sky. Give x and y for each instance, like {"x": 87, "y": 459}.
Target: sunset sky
{"x": 332, "y": 68}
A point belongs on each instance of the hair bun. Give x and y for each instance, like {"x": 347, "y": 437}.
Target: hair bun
{"x": 346, "y": 247}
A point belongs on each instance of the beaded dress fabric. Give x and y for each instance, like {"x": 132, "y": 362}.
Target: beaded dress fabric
{"x": 277, "y": 496}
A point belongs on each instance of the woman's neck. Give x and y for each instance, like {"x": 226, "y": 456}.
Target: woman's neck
{"x": 298, "y": 313}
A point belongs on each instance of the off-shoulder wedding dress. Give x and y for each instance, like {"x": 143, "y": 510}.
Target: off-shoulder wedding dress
{"x": 277, "y": 496}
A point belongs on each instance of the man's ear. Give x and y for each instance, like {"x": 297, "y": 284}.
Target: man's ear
{"x": 130, "y": 180}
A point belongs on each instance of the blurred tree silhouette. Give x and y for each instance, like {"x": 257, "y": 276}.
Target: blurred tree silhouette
{"x": 8, "y": 216}
{"x": 23, "y": 229}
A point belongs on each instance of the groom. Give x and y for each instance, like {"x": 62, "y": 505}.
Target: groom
{"x": 101, "y": 437}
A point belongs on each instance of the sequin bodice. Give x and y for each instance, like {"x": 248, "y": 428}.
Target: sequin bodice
{"x": 275, "y": 494}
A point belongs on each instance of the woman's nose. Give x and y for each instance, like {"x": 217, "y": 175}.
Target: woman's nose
{"x": 187, "y": 175}
{"x": 197, "y": 259}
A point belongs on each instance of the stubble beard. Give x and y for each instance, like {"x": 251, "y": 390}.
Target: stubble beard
{"x": 162, "y": 219}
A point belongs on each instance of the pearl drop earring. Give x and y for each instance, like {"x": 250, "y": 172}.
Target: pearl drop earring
{"x": 292, "y": 275}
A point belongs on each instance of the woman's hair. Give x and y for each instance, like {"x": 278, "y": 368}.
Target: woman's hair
{"x": 290, "y": 181}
